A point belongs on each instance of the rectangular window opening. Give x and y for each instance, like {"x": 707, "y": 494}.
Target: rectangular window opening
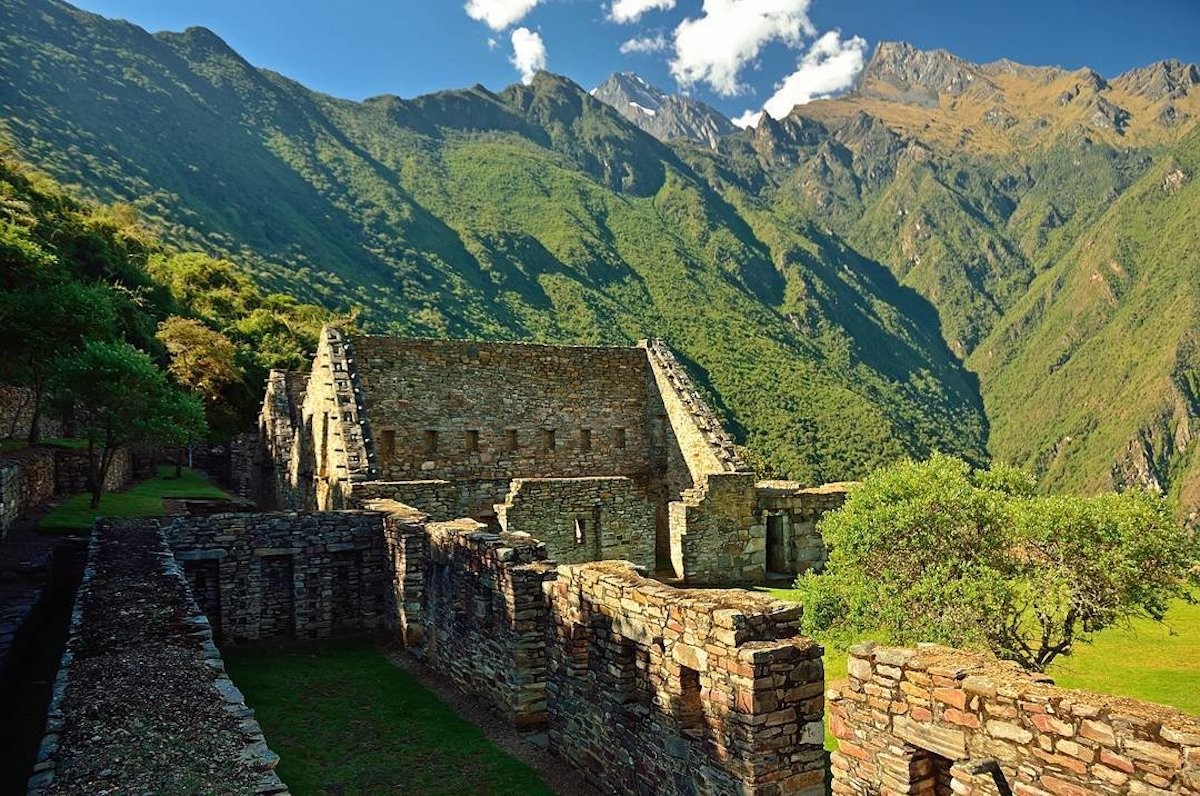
{"x": 580, "y": 531}
{"x": 585, "y": 439}
{"x": 431, "y": 441}
{"x": 510, "y": 439}
{"x": 471, "y": 440}
{"x": 547, "y": 439}
{"x": 619, "y": 438}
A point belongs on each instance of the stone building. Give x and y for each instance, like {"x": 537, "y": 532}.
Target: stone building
{"x": 601, "y": 452}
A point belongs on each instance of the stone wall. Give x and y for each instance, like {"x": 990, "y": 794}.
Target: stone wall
{"x": 280, "y": 423}
{"x": 286, "y": 575}
{"x": 484, "y": 615}
{"x": 938, "y": 720}
{"x": 16, "y": 415}
{"x": 441, "y": 500}
{"x": 26, "y": 480}
{"x": 715, "y": 536}
{"x": 582, "y": 519}
{"x": 657, "y": 690}
{"x": 458, "y": 410}
{"x": 787, "y": 514}
{"x": 142, "y": 702}
{"x": 71, "y": 471}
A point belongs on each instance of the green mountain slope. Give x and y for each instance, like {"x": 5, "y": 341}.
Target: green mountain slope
{"x": 538, "y": 213}
{"x": 1093, "y": 378}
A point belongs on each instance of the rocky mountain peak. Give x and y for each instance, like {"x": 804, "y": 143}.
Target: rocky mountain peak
{"x": 1169, "y": 79}
{"x": 900, "y": 71}
{"x": 662, "y": 115}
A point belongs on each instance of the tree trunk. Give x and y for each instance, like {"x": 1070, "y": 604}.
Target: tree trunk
{"x": 35, "y": 433}
{"x": 179, "y": 463}
{"x": 92, "y": 480}
{"x": 98, "y": 482}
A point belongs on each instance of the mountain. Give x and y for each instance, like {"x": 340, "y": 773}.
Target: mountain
{"x": 853, "y": 283}
{"x": 537, "y": 213}
{"x": 664, "y": 116}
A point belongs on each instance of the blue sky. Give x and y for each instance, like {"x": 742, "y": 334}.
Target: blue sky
{"x": 735, "y": 54}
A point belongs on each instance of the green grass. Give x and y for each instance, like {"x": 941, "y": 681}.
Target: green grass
{"x": 144, "y": 499}
{"x": 69, "y": 443}
{"x": 1146, "y": 660}
{"x": 343, "y": 719}
{"x": 10, "y": 445}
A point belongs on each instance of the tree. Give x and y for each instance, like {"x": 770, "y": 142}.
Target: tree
{"x": 119, "y": 397}
{"x": 181, "y": 423}
{"x": 44, "y": 320}
{"x": 936, "y": 551}
{"x": 202, "y": 360}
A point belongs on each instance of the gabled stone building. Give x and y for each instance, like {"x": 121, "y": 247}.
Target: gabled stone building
{"x": 600, "y": 452}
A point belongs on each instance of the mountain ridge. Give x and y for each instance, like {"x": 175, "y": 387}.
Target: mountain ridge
{"x": 824, "y": 276}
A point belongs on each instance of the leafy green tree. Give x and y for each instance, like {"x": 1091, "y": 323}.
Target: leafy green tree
{"x": 43, "y": 322}
{"x": 181, "y": 423}
{"x": 202, "y": 360}
{"x": 937, "y": 551}
{"x": 119, "y": 397}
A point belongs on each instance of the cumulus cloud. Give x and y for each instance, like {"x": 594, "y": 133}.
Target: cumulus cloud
{"x": 830, "y": 65}
{"x": 714, "y": 47}
{"x": 499, "y": 14}
{"x": 529, "y": 53}
{"x": 632, "y": 10}
{"x": 645, "y": 44}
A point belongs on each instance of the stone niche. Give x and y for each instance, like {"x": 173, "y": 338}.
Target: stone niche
{"x": 935, "y": 720}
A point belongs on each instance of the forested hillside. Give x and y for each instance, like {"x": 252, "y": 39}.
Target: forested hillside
{"x": 824, "y": 276}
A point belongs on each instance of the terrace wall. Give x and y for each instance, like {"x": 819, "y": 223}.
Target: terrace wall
{"x": 142, "y": 702}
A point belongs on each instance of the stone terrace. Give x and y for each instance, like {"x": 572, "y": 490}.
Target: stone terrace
{"x": 142, "y": 703}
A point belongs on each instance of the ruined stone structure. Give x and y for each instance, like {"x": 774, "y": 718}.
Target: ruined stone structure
{"x": 599, "y": 452}
{"x": 142, "y": 702}
{"x": 30, "y": 476}
{"x": 648, "y": 688}
{"x": 941, "y": 721}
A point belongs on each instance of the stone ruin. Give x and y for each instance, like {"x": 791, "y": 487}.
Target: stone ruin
{"x": 599, "y": 452}
{"x": 499, "y": 509}
{"x": 939, "y": 721}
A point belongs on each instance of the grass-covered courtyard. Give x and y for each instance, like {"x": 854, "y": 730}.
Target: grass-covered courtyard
{"x": 143, "y": 499}
{"x": 343, "y": 719}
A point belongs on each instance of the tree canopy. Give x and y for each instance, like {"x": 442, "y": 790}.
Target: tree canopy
{"x": 938, "y": 551}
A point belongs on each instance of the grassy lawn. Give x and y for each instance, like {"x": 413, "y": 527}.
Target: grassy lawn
{"x": 144, "y": 499}
{"x": 1146, "y": 661}
{"x": 343, "y": 719}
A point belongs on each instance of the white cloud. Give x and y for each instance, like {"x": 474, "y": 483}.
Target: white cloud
{"x": 714, "y": 47}
{"x": 492, "y": 43}
{"x": 748, "y": 119}
{"x": 529, "y": 53}
{"x": 645, "y": 44}
{"x": 632, "y": 10}
{"x": 499, "y": 14}
{"x": 829, "y": 66}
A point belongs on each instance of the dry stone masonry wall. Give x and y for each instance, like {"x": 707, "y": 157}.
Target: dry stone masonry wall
{"x": 286, "y": 575}
{"x": 582, "y": 519}
{"x": 142, "y": 702}
{"x": 456, "y": 410}
{"x": 656, "y": 690}
{"x": 484, "y": 615}
{"x": 936, "y": 720}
